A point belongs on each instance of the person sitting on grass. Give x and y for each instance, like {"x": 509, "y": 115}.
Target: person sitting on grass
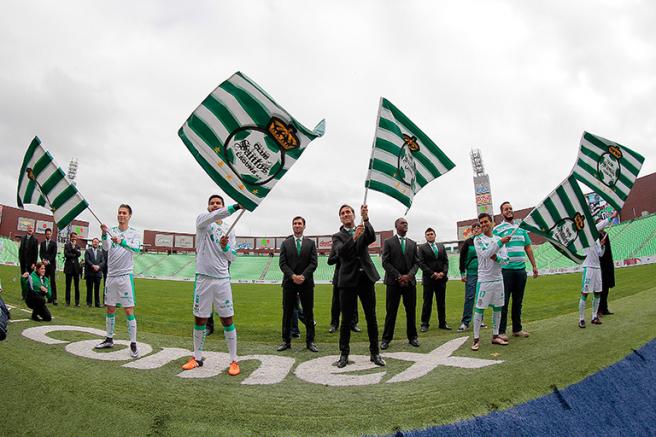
{"x": 38, "y": 290}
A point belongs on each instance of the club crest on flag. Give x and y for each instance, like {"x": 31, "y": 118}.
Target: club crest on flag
{"x": 609, "y": 167}
{"x": 257, "y": 154}
{"x": 567, "y": 230}
{"x": 407, "y": 169}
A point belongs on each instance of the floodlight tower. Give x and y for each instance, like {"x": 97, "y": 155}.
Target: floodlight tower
{"x": 482, "y": 191}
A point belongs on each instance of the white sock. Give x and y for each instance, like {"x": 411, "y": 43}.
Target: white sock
{"x": 581, "y": 309}
{"x": 199, "y": 341}
{"x": 478, "y": 319}
{"x": 132, "y": 328}
{"x": 110, "y": 321}
{"x": 595, "y": 305}
{"x": 230, "y": 334}
{"x": 496, "y": 319}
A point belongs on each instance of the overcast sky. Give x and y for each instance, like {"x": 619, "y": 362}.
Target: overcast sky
{"x": 110, "y": 83}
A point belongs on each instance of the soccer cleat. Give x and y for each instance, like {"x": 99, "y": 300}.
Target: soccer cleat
{"x": 192, "y": 364}
{"x": 503, "y": 337}
{"x": 234, "y": 369}
{"x": 332, "y": 329}
{"x": 462, "y": 328}
{"x": 500, "y": 341}
{"x": 596, "y": 321}
{"x": 106, "y": 343}
{"x": 134, "y": 352}
{"x": 476, "y": 344}
{"x": 483, "y": 325}
{"x": 581, "y": 323}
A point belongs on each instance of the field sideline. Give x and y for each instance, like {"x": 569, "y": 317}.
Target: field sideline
{"x": 48, "y": 391}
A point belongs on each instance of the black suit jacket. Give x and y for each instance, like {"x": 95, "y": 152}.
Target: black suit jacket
{"x": 291, "y": 263}
{"x": 606, "y": 264}
{"x": 48, "y": 252}
{"x": 28, "y": 253}
{"x": 90, "y": 260}
{"x": 333, "y": 259}
{"x": 430, "y": 263}
{"x": 396, "y": 263}
{"x": 71, "y": 259}
{"x": 354, "y": 256}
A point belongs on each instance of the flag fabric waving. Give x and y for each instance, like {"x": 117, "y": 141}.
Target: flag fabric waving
{"x": 42, "y": 182}
{"x": 244, "y": 140}
{"x": 564, "y": 219}
{"x": 404, "y": 159}
{"x": 607, "y": 167}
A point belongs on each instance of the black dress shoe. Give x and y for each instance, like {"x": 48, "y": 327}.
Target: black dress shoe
{"x": 98, "y": 306}
{"x": 356, "y": 328}
{"x": 377, "y": 360}
{"x": 384, "y": 344}
{"x": 607, "y": 313}
{"x": 414, "y": 342}
{"x": 54, "y": 302}
{"x": 332, "y": 329}
{"x": 424, "y": 328}
{"x": 312, "y": 347}
{"x": 284, "y": 346}
{"x": 445, "y": 327}
{"x": 343, "y": 361}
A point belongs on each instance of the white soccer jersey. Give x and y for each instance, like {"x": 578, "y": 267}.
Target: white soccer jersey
{"x": 119, "y": 256}
{"x": 485, "y": 246}
{"x": 211, "y": 259}
{"x": 593, "y": 253}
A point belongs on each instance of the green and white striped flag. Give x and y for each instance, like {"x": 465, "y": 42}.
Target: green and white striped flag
{"x": 564, "y": 219}
{"x": 607, "y": 167}
{"x": 42, "y": 182}
{"x": 403, "y": 159}
{"x": 244, "y": 140}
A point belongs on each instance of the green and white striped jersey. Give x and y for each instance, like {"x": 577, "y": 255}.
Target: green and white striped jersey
{"x": 120, "y": 260}
{"x": 516, "y": 246}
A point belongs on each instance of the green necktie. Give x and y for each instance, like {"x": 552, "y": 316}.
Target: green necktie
{"x": 298, "y": 246}
{"x": 403, "y": 245}
{"x": 434, "y": 248}
{"x": 351, "y": 231}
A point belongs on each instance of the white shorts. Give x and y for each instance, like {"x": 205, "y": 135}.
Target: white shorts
{"x": 489, "y": 294}
{"x": 119, "y": 291}
{"x": 208, "y": 291}
{"x": 591, "y": 280}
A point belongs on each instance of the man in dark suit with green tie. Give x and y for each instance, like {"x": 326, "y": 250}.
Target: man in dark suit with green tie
{"x": 356, "y": 278}
{"x": 434, "y": 263}
{"x": 298, "y": 261}
{"x": 400, "y": 263}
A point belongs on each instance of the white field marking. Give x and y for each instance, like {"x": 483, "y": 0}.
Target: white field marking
{"x": 18, "y": 320}
{"x": 86, "y": 349}
{"x": 322, "y": 371}
{"x": 39, "y": 333}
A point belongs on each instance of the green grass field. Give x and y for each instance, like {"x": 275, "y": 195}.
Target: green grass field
{"x": 48, "y": 391}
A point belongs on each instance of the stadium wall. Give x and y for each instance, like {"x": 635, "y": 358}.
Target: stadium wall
{"x": 13, "y": 224}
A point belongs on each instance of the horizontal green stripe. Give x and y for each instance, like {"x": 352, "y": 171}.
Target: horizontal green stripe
{"x": 393, "y": 148}
{"x": 31, "y": 149}
{"x": 41, "y": 164}
{"x": 42, "y": 201}
{"x": 386, "y": 189}
{"x": 251, "y": 106}
{"x": 29, "y": 191}
{"x": 52, "y": 181}
{"x": 593, "y": 173}
{"x": 64, "y": 196}
{"x": 221, "y": 112}
{"x": 68, "y": 218}
{"x": 597, "y": 142}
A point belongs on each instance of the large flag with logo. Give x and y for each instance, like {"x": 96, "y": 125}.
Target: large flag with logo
{"x": 404, "y": 159}
{"x": 564, "y": 219}
{"x": 244, "y": 140}
{"x": 42, "y": 182}
{"x": 607, "y": 167}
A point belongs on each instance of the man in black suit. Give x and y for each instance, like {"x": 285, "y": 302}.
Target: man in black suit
{"x": 607, "y": 274}
{"x": 434, "y": 263}
{"x": 357, "y": 277}
{"x": 28, "y": 253}
{"x": 48, "y": 255}
{"x": 298, "y": 261}
{"x": 333, "y": 259}
{"x": 93, "y": 268}
{"x": 72, "y": 268}
{"x": 400, "y": 263}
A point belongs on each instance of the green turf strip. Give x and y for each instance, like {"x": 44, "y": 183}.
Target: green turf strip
{"x": 52, "y": 392}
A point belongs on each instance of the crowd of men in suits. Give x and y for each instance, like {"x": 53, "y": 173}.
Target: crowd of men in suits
{"x": 93, "y": 267}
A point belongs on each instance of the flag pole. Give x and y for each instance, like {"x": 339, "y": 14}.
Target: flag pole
{"x": 241, "y": 213}
{"x": 373, "y": 147}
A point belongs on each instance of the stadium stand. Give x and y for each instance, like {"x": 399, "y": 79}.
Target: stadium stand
{"x": 630, "y": 239}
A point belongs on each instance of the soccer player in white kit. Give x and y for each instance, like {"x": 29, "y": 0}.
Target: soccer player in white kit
{"x": 121, "y": 244}
{"x": 591, "y": 282}
{"x": 491, "y": 253}
{"x": 215, "y": 250}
